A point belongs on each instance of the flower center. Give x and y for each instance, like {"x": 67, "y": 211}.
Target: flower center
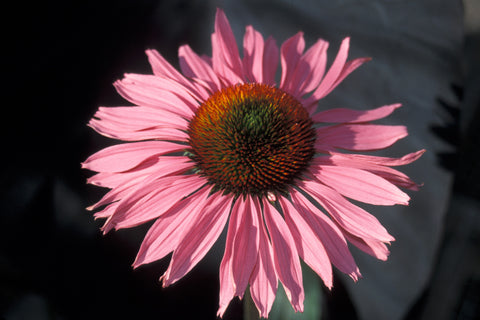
{"x": 251, "y": 139}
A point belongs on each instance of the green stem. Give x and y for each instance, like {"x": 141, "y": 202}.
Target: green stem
{"x": 249, "y": 309}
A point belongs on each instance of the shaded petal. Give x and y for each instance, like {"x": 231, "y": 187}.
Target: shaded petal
{"x": 264, "y": 279}
{"x": 126, "y": 156}
{"x": 253, "y": 47}
{"x": 290, "y": 54}
{"x": 309, "y": 244}
{"x": 331, "y": 236}
{"x": 360, "y": 185}
{"x": 286, "y": 259}
{"x": 270, "y": 61}
{"x": 349, "y": 217}
{"x": 225, "y": 56}
{"x": 198, "y": 240}
{"x": 375, "y": 248}
{"x": 245, "y": 244}
{"x": 194, "y": 66}
{"x": 168, "y": 230}
{"x": 359, "y": 137}
{"x": 311, "y": 69}
{"x": 343, "y": 115}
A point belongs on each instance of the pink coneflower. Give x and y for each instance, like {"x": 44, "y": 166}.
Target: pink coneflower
{"x": 223, "y": 141}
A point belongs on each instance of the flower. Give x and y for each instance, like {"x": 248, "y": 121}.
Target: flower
{"x": 221, "y": 141}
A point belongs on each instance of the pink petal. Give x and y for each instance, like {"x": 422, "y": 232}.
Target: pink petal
{"x": 126, "y": 156}
{"x": 162, "y": 68}
{"x": 264, "y": 279}
{"x": 169, "y": 229}
{"x": 310, "y": 71}
{"x": 353, "y": 219}
{"x": 152, "y": 200}
{"x": 245, "y": 244}
{"x": 199, "y": 238}
{"x": 360, "y": 185}
{"x": 154, "y": 97}
{"x": 286, "y": 259}
{"x": 194, "y": 66}
{"x": 125, "y": 183}
{"x": 161, "y": 166}
{"x": 308, "y": 243}
{"x": 225, "y": 57}
{"x": 334, "y": 71}
{"x": 359, "y": 137}
{"x": 253, "y": 55}
{"x": 393, "y": 176}
{"x": 151, "y": 82}
{"x": 290, "y": 54}
{"x": 342, "y": 115}
{"x": 331, "y": 236}
{"x": 139, "y": 123}
{"x": 383, "y": 161}
{"x": 375, "y": 248}
{"x": 270, "y": 61}
{"x": 227, "y": 284}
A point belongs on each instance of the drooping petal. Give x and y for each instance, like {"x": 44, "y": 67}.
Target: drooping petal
{"x": 343, "y": 115}
{"x": 290, "y": 54}
{"x": 152, "y": 200}
{"x": 167, "y": 232}
{"x": 331, "y": 236}
{"x": 375, "y": 248}
{"x": 126, "y": 156}
{"x": 383, "y": 161}
{"x": 359, "y": 137}
{"x": 391, "y": 175}
{"x": 199, "y": 238}
{"x": 309, "y": 244}
{"x": 360, "y": 185}
{"x": 227, "y": 285}
{"x": 245, "y": 244}
{"x": 127, "y": 182}
{"x": 286, "y": 259}
{"x": 264, "y": 279}
{"x": 350, "y": 217}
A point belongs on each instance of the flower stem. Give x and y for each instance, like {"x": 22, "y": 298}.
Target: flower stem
{"x": 249, "y": 309}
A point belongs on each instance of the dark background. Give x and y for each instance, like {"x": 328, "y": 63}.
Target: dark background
{"x": 60, "y": 60}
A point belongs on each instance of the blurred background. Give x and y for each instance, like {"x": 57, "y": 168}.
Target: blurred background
{"x": 60, "y": 60}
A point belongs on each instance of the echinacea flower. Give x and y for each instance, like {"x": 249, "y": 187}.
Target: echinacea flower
{"x": 223, "y": 141}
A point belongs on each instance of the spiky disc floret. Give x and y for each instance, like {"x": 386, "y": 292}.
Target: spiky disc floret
{"x": 251, "y": 139}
